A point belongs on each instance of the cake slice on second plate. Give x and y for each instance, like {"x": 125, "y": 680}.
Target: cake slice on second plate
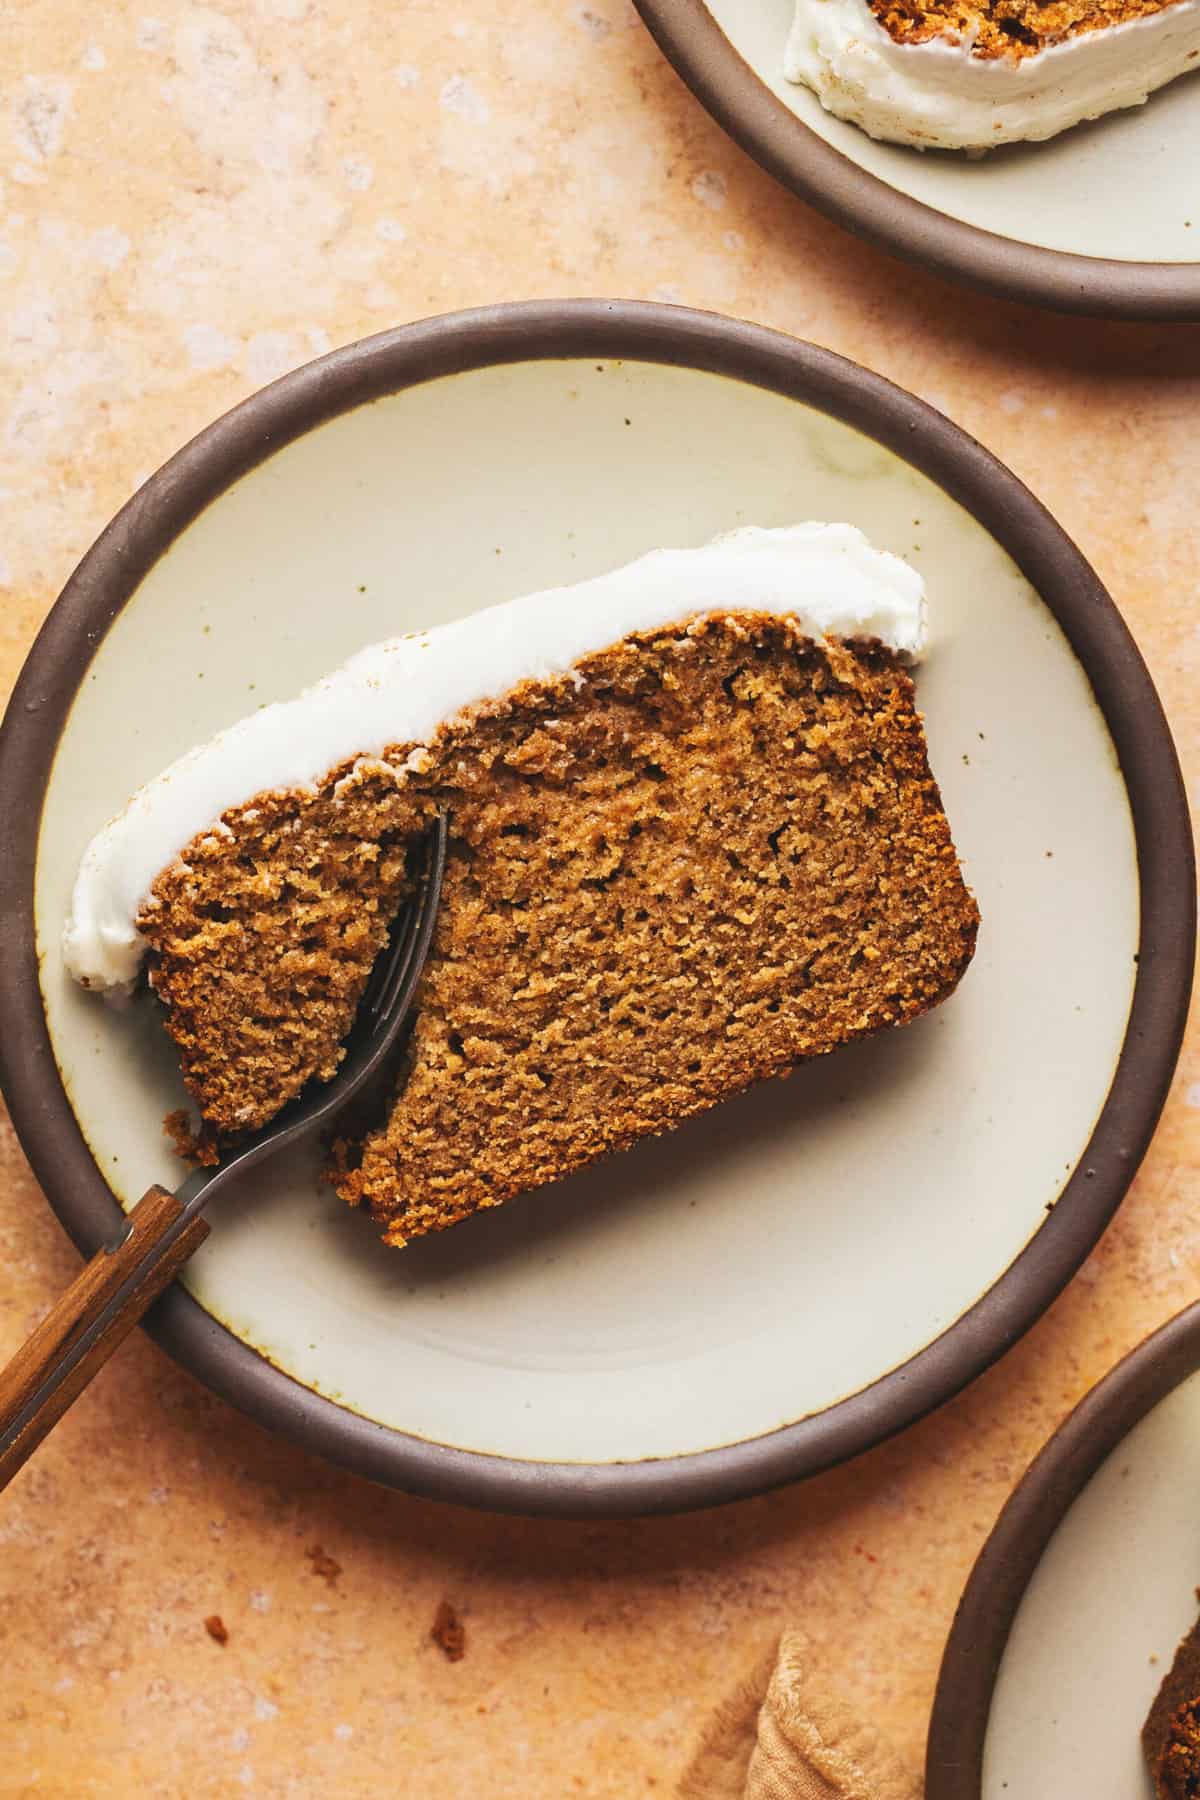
{"x": 973, "y": 74}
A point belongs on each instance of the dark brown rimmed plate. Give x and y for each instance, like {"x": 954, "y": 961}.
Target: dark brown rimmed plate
{"x": 1023, "y": 221}
{"x": 814, "y": 1266}
{"x": 1073, "y": 1610}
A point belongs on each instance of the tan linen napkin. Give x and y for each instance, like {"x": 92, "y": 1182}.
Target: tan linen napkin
{"x": 779, "y": 1737}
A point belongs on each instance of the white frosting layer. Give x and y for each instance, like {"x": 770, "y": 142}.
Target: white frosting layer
{"x": 938, "y": 95}
{"x": 827, "y": 577}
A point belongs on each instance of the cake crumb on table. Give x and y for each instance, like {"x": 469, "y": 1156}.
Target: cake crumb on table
{"x": 327, "y": 1567}
{"x": 449, "y": 1633}
{"x": 1171, "y": 1734}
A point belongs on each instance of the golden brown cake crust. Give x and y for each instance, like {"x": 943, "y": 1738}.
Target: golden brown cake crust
{"x": 1014, "y": 28}
{"x": 718, "y": 854}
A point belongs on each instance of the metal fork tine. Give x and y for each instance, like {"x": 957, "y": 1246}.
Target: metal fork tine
{"x": 374, "y": 1001}
{"x": 368, "y": 1006}
{"x": 401, "y": 966}
{"x": 419, "y": 925}
{"x": 394, "y": 965}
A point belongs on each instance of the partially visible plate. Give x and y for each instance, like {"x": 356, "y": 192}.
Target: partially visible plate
{"x": 807, "y": 1269}
{"x": 1074, "y": 1608}
{"x": 1102, "y": 219}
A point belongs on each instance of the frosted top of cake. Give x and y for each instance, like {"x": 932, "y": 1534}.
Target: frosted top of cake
{"x": 400, "y": 693}
{"x": 939, "y": 95}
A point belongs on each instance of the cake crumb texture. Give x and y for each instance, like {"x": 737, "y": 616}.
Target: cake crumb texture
{"x": 1014, "y": 28}
{"x": 262, "y": 938}
{"x": 190, "y": 1145}
{"x": 1171, "y": 1734}
{"x": 1179, "y": 1771}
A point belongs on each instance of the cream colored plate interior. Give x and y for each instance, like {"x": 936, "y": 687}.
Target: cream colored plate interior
{"x": 1097, "y": 1628}
{"x": 799, "y": 1242}
{"x": 1139, "y": 161}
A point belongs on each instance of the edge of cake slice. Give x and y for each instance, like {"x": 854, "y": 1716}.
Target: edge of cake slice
{"x": 1171, "y": 1734}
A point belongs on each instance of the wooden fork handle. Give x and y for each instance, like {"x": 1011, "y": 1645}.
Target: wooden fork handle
{"x": 96, "y": 1284}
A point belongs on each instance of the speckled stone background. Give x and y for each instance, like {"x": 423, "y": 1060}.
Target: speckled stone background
{"x": 192, "y": 202}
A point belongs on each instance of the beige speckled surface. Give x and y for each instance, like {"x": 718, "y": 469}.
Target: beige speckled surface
{"x": 192, "y": 202}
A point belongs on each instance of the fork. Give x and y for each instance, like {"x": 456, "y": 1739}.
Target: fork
{"x": 112, "y": 1292}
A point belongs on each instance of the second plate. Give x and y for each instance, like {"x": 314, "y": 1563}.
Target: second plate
{"x": 1022, "y": 221}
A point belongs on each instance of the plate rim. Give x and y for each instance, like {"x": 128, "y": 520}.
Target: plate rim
{"x": 1014, "y": 1548}
{"x": 743, "y": 105}
{"x": 708, "y": 343}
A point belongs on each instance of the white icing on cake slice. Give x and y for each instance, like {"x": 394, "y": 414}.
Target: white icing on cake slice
{"x": 827, "y": 577}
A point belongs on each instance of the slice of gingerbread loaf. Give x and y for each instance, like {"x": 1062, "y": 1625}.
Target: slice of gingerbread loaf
{"x": 694, "y": 841}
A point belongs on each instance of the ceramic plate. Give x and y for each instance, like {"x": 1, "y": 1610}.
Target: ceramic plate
{"x": 1022, "y": 220}
{"x": 1073, "y": 1611}
{"x": 811, "y": 1266}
